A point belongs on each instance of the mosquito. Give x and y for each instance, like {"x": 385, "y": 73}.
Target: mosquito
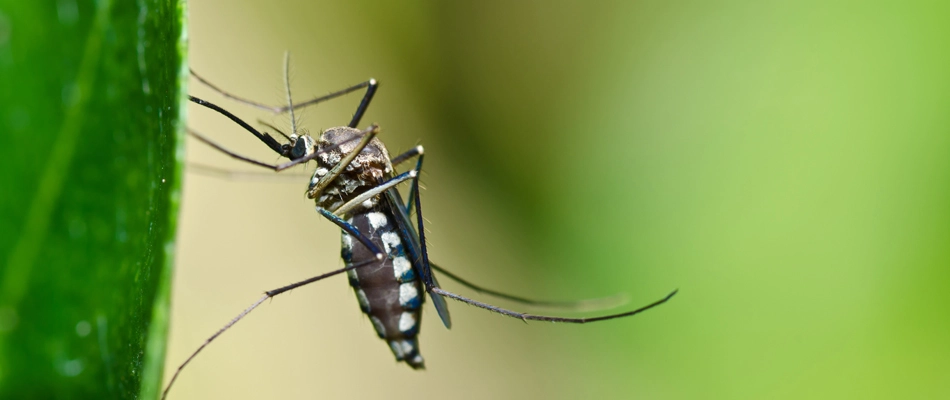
{"x": 355, "y": 187}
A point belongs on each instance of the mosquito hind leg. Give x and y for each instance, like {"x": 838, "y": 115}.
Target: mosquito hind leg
{"x": 601, "y": 303}
{"x": 267, "y": 295}
{"x": 534, "y": 317}
{"x": 272, "y": 293}
{"x": 578, "y": 305}
{"x": 433, "y": 287}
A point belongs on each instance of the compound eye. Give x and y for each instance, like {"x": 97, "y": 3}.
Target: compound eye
{"x": 302, "y": 147}
{"x": 299, "y": 150}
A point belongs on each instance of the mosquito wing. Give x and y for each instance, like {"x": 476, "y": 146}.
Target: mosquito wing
{"x": 441, "y": 306}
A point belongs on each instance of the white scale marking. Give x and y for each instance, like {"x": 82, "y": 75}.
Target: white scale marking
{"x": 364, "y": 301}
{"x": 400, "y": 267}
{"x": 380, "y": 329}
{"x": 347, "y": 242}
{"x": 377, "y": 220}
{"x": 406, "y": 346}
{"x": 390, "y": 241}
{"x": 403, "y": 347}
{"x": 407, "y": 321}
{"x": 407, "y": 293}
{"x": 397, "y": 350}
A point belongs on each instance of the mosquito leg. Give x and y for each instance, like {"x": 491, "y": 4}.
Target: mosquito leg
{"x": 577, "y": 305}
{"x": 231, "y": 96}
{"x": 267, "y": 295}
{"x": 427, "y": 278}
{"x": 427, "y": 271}
{"x": 415, "y": 151}
{"x": 237, "y": 175}
{"x": 231, "y": 153}
{"x": 264, "y": 137}
{"x": 534, "y": 317}
{"x": 433, "y": 287}
{"x": 349, "y": 228}
{"x": 415, "y": 184}
{"x": 371, "y": 86}
{"x": 364, "y": 104}
{"x": 587, "y": 304}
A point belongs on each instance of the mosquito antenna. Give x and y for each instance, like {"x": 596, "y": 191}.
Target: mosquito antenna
{"x": 290, "y": 102}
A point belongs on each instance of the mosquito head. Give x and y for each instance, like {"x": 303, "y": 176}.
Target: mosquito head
{"x": 300, "y": 146}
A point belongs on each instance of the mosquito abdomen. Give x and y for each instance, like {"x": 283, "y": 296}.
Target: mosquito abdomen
{"x": 390, "y": 294}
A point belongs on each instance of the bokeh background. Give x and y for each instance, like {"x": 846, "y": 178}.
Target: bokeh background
{"x": 786, "y": 165}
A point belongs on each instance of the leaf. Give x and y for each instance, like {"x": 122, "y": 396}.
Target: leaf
{"x": 91, "y": 151}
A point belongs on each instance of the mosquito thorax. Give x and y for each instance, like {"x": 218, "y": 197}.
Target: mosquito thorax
{"x": 366, "y": 171}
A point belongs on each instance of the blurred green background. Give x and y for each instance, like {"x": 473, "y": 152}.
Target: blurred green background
{"x": 785, "y": 165}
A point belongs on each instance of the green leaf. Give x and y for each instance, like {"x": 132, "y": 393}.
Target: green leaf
{"x": 91, "y": 151}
